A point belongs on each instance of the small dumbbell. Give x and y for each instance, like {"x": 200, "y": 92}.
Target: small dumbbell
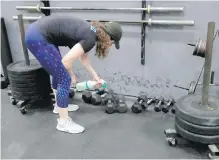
{"x": 107, "y": 95}
{"x": 151, "y": 100}
{"x": 121, "y": 105}
{"x": 110, "y": 107}
{"x": 87, "y": 95}
{"x": 173, "y": 110}
{"x": 166, "y": 108}
{"x": 140, "y": 104}
{"x": 158, "y": 107}
{"x": 97, "y": 99}
{"x": 71, "y": 93}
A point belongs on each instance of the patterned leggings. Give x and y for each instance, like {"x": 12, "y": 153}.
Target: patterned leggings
{"x": 50, "y": 58}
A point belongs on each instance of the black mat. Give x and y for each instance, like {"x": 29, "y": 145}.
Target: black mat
{"x": 34, "y": 135}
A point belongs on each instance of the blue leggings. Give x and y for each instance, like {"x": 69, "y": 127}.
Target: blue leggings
{"x": 50, "y": 58}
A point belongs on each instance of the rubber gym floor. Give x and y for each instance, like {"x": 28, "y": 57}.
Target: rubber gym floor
{"x": 34, "y": 136}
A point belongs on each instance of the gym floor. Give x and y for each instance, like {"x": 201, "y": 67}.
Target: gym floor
{"x": 128, "y": 135}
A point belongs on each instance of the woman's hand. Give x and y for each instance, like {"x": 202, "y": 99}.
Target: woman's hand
{"x": 73, "y": 79}
{"x": 99, "y": 82}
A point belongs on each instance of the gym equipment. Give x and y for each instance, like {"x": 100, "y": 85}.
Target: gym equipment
{"x": 143, "y": 24}
{"x": 214, "y": 152}
{"x": 148, "y": 22}
{"x": 92, "y": 97}
{"x": 197, "y": 115}
{"x": 121, "y": 105}
{"x": 191, "y": 89}
{"x": 158, "y": 107}
{"x": 140, "y": 104}
{"x": 6, "y": 57}
{"x": 151, "y": 100}
{"x": 46, "y": 12}
{"x": 29, "y": 82}
{"x": 166, "y": 108}
{"x": 200, "y": 48}
{"x": 114, "y": 103}
{"x": 111, "y": 105}
{"x": 149, "y": 9}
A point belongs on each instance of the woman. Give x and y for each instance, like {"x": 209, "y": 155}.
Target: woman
{"x": 43, "y": 38}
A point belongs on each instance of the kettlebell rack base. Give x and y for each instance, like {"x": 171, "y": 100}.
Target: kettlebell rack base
{"x": 174, "y": 139}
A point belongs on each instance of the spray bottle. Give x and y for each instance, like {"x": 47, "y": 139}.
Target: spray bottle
{"x": 89, "y": 85}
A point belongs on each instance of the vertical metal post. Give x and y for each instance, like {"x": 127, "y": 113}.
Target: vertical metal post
{"x": 46, "y": 4}
{"x": 143, "y": 26}
{"x": 22, "y": 32}
{"x": 208, "y": 59}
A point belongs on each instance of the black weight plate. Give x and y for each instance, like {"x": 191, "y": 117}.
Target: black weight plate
{"x": 196, "y": 137}
{"x": 190, "y": 109}
{"x": 30, "y": 93}
{"x": 22, "y": 81}
{"x": 26, "y": 89}
{"x": 20, "y": 67}
{"x": 24, "y": 98}
{"x": 203, "y": 130}
{"x": 20, "y": 85}
{"x": 21, "y": 77}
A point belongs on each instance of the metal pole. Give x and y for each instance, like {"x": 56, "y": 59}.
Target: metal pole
{"x": 148, "y": 9}
{"x": 22, "y": 33}
{"x": 208, "y": 59}
{"x": 148, "y": 22}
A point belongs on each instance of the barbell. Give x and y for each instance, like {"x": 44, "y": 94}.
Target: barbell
{"x": 149, "y": 22}
{"x": 149, "y": 9}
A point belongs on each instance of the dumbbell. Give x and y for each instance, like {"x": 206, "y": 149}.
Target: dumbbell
{"x": 87, "y": 95}
{"x": 158, "y": 107}
{"x": 140, "y": 104}
{"x": 115, "y": 103}
{"x": 173, "y": 110}
{"x": 150, "y": 101}
{"x": 71, "y": 93}
{"x": 166, "y": 108}
{"x": 111, "y": 105}
{"x": 121, "y": 105}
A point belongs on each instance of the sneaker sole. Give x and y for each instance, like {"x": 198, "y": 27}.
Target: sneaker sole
{"x": 56, "y": 112}
{"x": 67, "y": 131}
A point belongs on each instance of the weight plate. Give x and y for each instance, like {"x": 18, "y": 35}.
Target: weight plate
{"x": 22, "y": 81}
{"x": 20, "y": 67}
{"x": 196, "y": 137}
{"x": 23, "y": 77}
{"x": 190, "y": 109}
{"x": 192, "y": 87}
{"x": 26, "y": 89}
{"x": 20, "y": 85}
{"x": 203, "y": 130}
{"x": 30, "y": 93}
{"x": 196, "y": 48}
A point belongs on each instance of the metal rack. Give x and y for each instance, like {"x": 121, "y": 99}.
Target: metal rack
{"x": 45, "y": 8}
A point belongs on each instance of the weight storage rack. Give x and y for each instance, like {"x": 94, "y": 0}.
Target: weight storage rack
{"x": 29, "y": 82}
{"x": 45, "y": 8}
{"x": 197, "y": 115}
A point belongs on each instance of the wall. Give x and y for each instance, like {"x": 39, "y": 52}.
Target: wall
{"x": 169, "y": 60}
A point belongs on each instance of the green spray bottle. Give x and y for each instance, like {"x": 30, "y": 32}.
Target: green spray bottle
{"x": 89, "y": 85}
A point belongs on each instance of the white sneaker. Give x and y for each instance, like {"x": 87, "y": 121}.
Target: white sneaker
{"x": 71, "y": 108}
{"x": 69, "y": 126}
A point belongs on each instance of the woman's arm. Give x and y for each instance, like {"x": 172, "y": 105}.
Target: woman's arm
{"x": 74, "y": 53}
{"x": 78, "y": 52}
{"x": 86, "y": 63}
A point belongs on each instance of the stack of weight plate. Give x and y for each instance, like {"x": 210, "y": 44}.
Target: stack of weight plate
{"x": 196, "y": 122}
{"x": 28, "y": 82}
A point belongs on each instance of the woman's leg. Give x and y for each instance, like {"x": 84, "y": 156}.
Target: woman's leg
{"x": 71, "y": 107}
{"x": 47, "y": 55}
